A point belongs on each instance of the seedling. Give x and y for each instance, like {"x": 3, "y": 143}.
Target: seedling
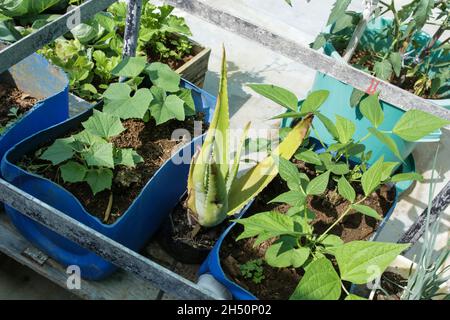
{"x": 253, "y": 270}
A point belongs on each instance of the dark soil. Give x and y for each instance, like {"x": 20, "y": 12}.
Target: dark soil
{"x": 12, "y": 97}
{"x": 152, "y": 142}
{"x": 366, "y": 58}
{"x": 393, "y": 284}
{"x": 280, "y": 283}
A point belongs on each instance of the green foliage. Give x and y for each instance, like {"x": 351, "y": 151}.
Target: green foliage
{"x": 253, "y": 270}
{"x": 405, "y": 60}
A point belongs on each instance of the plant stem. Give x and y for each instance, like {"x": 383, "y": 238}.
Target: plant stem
{"x": 345, "y": 290}
{"x": 340, "y": 219}
{"x": 108, "y": 208}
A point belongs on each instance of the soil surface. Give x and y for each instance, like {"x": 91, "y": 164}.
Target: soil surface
{"x": 174, "y": 64}
{"x": 280, "y": 283}
{"x": 12, "y": 97}
{"x": 154, "y": 145}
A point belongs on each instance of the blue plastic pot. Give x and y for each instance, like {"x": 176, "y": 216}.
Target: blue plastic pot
{"x": 338, "y": 102}
{"x": 133, "y": 229}
{"x": 38, "y": 78}
{"x": 213, "y": 266}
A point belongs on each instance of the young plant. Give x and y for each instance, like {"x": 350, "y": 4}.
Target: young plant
{"x": 90, "y": 155}
{"x": 406, "y": 61}
{"x": 214, "y": 192}
{"x": 253, "y": 270}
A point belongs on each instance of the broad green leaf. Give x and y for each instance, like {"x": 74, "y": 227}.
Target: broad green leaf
{"x": 73, "y": 172}
{"x": 356, "y": 97}
{"x": 329, "y": 125}
{"x": 283, "y": 253}
{"x": 345, "y": 129}
{"x": 319, "y": 184}
{"x": 162, "y": 76}
{"x": 130, "y": 67}
{"x": 87, "y": 138}
{"x": 338, "y": 168}
{"x": 271, "y": 223}
{"x": 189, "y": 104}
{"x": 383, "y": 69}
{"x": 368, "y": 211}
{"x": 289, "y": 173}
{"x": 277, "y": 94}
{"x": 119, "y": 103}
{"x": 371, "y": 179}
{"x": 99, "y": 179}
{"x": 100, "y": 155}
{"x": 362, "y": 261}
{"x": 354, "y": 297}
{"x": 416, "y": 124}
{"x": 407, "y": 177}
{"x": 127, "y": 157}
{"x": 388, "y": 141}
{"x": 308, "y": 156}
{"x": 346, "y": 190}
{"x": 387, "y": 169}
{"x": 332, "y": 240}
{"x": 60, "y": 151}
{"x": 370, "y": 107}
{"x": 314, "y": 100}
{"x": 344, "y": 22}
{"x": 293, "y": 198}
{"x": 300, "y": 211}
{"x": 396, "y": 61}
{"x": 320, "y": 282}
{"x": 164, "y": 108}
{"x": 103, "y": 125}
{"x": 290, "y": 114}
{"x": 338, "y": 10}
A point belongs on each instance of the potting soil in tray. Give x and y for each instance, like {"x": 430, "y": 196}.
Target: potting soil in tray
{"x": 154, "y": 145}
{"x": 12, "y": 97}
{"x": 280, "y": 283}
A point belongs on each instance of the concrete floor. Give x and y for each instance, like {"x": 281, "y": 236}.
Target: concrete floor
{"x": 250, "y": 62}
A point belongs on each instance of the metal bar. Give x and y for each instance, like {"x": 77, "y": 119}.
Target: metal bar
{"x": 132, "y": 28}
{"x": 309, "y": 57}
{"x": 438, "y": 205}
{"x": 103, "y": 246}
{"x": 36, "y": 40}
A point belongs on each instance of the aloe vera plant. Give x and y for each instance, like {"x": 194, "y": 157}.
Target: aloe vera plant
{"x": 214, "y": 192}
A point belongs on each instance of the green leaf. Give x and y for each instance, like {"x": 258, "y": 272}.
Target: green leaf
{"x": 100, "y": 155}
{"x": 73, "y": 172}
{"x": 119, "y": 103}
{"x": 387, "y": 169}
{"x": 283, "y": 253}
{"x": 356, "y": 97}
{"x": 87, "y": 138}
{"x": 127, "y": 157}
{"x": 99, "y": 179}
{"x": 163, "y": 77}
{"x": 320, "y": 282}
{"x": 354, "y": 297}
{"x": 416, "y": 124}
{"x": 370, "y": 107}
{"x": 362, "y": 261}
{"x": 340, "y": 168}
{"x": 314, "y": 100}
{"x": 338, "y": 10}
{"x": 383, "y": 69}
{"x": 103, "y": 125}
{"x": 368, "y": 211}
{"x": 329, "y": 125}
{"x": 277, "y": 94}
{"x": 319, "y": 184}
{"x": 186, "y": 96}
{"x": 346, "y": 190}
{"x": 269, "y": 224}
{"x": 130, "y": 67}
{"x": 345, "y": 129}
{"x": 308, "y": 156}
{"x": 371, "y": 179}
{"x": 293, "y": 198}
{"x": 396, "y": 61}
{"x": 332, "y": 240}
{"x": 60, "y": 151}
{"x": 164, "y": 108}
{"x": 289, "y": 173}
{"x": 388, "y": 141}
{"x": 407, "y": 177}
